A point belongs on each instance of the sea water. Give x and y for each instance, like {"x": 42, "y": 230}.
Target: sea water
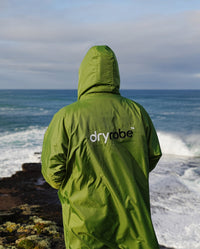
{"x": 174, "y": 183}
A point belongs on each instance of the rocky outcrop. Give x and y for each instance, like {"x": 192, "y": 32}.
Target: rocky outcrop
{"x": 30, "y": 211}
{"x": 24, "y": 228}
{"x": 29, "y": 187}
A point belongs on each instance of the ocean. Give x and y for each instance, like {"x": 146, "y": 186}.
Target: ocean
{"x": 175, "y": 182}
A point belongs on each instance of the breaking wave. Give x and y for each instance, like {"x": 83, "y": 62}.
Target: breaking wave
{"x": 19, "y": 147}
{"x": 181, "y": 145}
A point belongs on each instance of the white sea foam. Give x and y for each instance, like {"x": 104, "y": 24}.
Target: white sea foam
{"x": 19, "y": 147}
{"x": 181, "y": 145}
{"x": 175, "y": 199}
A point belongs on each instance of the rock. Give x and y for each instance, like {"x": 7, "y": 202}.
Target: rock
{"x": 31, "y": 167}
{"x": 29, "y": 187}
{"x": 9, "y": 214}
{"x": 27, "y": 230}
{"x": 30, "y": 211}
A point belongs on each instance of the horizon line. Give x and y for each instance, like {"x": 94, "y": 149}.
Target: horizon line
{"x": 75, "y": 89}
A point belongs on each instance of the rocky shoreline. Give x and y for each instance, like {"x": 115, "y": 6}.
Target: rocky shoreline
{"x": 30, "y": 212}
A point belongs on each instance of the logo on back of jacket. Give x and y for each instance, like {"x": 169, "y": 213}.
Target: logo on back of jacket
{"x": 103, "y": 137}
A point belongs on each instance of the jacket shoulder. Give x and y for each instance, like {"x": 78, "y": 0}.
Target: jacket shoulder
{"x": 133, "y": 104}
{"x": 66, "y": 110}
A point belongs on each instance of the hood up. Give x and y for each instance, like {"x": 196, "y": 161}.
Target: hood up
{"x": 99, "y": 72}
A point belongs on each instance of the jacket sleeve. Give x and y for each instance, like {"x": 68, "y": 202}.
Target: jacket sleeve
{"x": 154, "y": 150}
{"x": 54, "y": 152}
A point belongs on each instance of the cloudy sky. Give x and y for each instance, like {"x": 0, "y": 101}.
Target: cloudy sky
{"x": 157, "y": 42}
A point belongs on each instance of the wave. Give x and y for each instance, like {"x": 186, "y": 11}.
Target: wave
{"x": 24, "y": 111}
{"x": 18, "y": 148}
{"x": 180, "y": 145}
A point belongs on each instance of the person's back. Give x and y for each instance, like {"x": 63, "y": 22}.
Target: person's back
{"x": 98, "y": 152}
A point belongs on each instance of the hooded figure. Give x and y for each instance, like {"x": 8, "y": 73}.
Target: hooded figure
{"x": 98, "y": 153}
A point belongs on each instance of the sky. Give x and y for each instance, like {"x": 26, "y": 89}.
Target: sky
{"x": 156, "y": 42}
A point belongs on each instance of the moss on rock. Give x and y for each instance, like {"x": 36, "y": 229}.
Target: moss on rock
{"x": 31, "y": 232}
{"x": 26, "y": 244}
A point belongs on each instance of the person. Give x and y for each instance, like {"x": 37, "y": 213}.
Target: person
{"x": 98, "y": 152}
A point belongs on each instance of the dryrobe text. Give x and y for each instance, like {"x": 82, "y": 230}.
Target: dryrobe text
{"x": 96, "y": 137}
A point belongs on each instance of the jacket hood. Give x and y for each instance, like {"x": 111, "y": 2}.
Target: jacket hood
{"x": 99, "y": 72}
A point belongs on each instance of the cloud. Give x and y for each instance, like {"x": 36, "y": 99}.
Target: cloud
{"x": 154, "y": 51}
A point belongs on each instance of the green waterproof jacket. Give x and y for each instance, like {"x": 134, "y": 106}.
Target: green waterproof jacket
{"x": 98, "y": 153}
